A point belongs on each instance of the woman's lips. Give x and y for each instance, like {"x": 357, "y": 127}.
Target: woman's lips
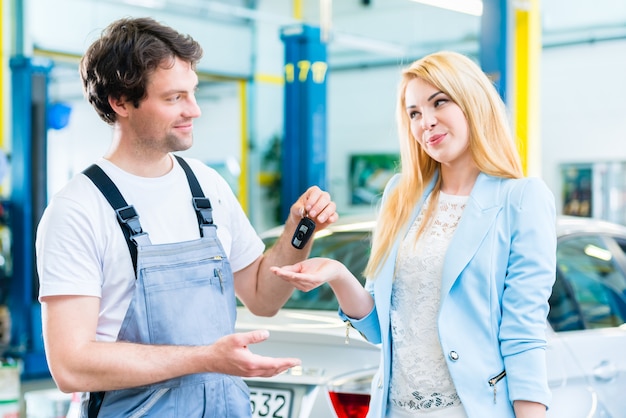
{"x": 436, "y": 139}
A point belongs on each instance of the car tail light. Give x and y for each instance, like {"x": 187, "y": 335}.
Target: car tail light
{"x": 350, "y": 394}
{"x": 350, "y": 405}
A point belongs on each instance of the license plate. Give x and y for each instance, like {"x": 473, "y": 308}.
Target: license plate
{"x": 270, "y": 403}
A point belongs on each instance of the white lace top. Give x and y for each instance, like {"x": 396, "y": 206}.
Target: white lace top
{"x": 420, "y": 380}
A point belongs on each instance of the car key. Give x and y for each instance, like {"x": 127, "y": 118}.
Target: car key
{"x": 303, "y": 232}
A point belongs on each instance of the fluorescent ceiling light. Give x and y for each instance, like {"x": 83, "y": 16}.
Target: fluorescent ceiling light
{"x": 471, "y": 7}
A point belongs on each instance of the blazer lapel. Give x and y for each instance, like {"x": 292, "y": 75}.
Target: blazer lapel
{"x": 482, "y": 208}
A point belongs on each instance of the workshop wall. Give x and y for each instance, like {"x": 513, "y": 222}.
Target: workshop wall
{"x": 581, "y": 86}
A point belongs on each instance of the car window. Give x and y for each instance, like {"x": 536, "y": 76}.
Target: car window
{"x": 351, "y": 248}
{"x": 590, "y": 290}
{"x": 621, "y": 242}
{"x": 565, "y": 313}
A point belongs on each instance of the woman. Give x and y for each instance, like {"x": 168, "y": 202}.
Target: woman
{"x": 463, "y": 259}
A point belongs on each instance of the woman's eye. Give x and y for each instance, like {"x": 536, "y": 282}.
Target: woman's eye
{"x": 439, "y": 102}
{"x": 414, "y": 115}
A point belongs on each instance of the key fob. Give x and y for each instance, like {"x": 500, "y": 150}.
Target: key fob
{"x": 303, "y": 232}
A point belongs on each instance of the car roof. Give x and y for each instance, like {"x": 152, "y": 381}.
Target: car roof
{"x": 570, "y": 225}
{"x": 565, "y": 225}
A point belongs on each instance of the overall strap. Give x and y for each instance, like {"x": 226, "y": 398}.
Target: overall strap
{"x": 129, "y": 222}
{"x": 201, "y": 204}
{"x": 127, "y": 216}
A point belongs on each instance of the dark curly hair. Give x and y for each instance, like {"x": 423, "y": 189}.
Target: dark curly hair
{"x": 129, "y": 50}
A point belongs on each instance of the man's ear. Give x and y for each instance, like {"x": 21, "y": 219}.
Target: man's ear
{"x": 119, "y": 105}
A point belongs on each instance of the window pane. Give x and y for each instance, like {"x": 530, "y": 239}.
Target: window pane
{"x": 564, "y": 312}
{"x": 596, "y": 281}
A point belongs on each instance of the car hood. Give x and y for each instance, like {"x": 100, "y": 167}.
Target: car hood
{"x": 317, "y": 338}
{"x": 307, "y": 326}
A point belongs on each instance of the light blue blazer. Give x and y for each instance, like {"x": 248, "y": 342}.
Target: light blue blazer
{"x": 497, "y": 277}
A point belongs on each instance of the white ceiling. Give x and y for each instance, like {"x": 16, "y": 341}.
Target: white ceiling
{"x": 396, "y": 29}
{"x": 387, "y": 32}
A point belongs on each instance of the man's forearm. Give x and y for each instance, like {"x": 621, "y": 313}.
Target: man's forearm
{"x": 101, "y": 366}
{"x": 272, "y": 290}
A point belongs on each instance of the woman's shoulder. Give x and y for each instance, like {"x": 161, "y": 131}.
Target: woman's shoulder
{"x": 525, "y": 191}
{"x": 517, "y": 185}
{"x": 526, "y": 185}
{"x": 493, "y": 190}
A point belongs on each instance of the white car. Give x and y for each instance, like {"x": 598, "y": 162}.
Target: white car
{"x": 586, "y": 343}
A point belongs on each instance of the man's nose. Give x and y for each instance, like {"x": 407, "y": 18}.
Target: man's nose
{"x": 193, "y": 110}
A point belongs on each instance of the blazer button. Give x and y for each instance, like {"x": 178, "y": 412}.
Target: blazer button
{"x": 454, "y": 356}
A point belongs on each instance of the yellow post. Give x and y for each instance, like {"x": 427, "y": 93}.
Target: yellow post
{"x": 297, "y": 9}
{"x": 526, "y": 83}
{"x": 243, "y": 175}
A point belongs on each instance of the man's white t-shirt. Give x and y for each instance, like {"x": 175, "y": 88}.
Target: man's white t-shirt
{"x": 81, "y": 249}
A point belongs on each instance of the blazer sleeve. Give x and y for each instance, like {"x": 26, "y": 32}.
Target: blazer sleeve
{"x": 530, "y": 275}
{"x": 368, "y": 326}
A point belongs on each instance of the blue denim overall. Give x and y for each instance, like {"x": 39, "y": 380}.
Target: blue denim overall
{"x": 184, "y": 295}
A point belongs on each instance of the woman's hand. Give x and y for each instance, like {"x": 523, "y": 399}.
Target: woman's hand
{"x": 311, "y": 273}
{"x": 306, "y": 275}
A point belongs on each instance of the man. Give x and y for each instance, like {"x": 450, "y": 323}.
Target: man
{"x": 138, "y": 303}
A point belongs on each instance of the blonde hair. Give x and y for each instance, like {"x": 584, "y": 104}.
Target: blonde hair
{"x": 491, "y": 143}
